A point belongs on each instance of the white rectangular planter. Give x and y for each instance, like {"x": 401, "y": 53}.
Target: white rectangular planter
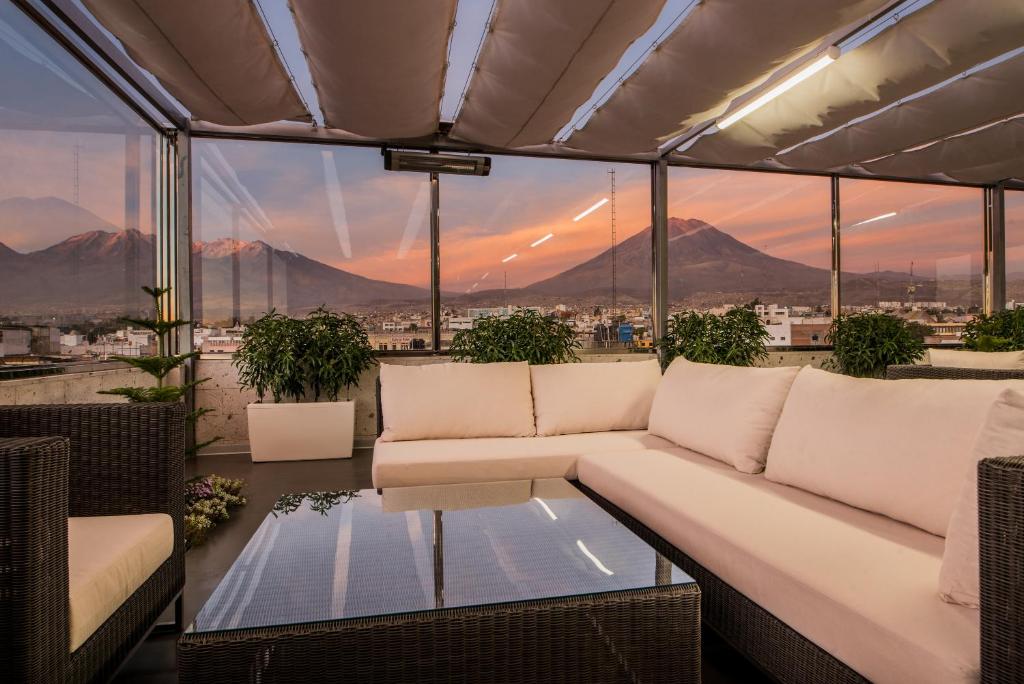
{"x": 301, "y": 432}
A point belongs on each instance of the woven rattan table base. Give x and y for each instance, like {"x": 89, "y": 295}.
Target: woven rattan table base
{"x": 647, "y": 635}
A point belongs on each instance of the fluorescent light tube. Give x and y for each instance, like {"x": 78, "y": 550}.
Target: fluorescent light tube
{"x": 588, "y": 212}
{"x": 874, "y": 218}
{"x": 509, "y": 258}
{"x": 543, "y": 240}
{"x": 814, "y": 67}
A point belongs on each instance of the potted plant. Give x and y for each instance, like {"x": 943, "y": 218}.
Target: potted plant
{"x": 865, "y": 343}
{"x": 736, "y": 338}
{"x": 161, "y": 365}
{"x": 525, "y": 335}
{"x": 301, "y": 362}
{"x": 1001, "y": 331}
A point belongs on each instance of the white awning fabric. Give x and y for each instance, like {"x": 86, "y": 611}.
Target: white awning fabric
{"x": 216, "y": 58}
{"x": 723, "y": 49}
{"x": 921, "y": 50}
{"x": 983, "y": 97}
{"x": 541, "y": 60}
{"x": 987, "y": 155}
{"x": 378, "y": 65}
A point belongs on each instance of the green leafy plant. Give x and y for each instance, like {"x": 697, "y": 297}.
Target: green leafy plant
{"x": 1001, "y": 331}
{"x": 296, "y": 358}
{"x": 161, "y": 365}
{"x": 865, "y": 343}
{"x": 735, "y": 338}
{"x": 525, "y": 335}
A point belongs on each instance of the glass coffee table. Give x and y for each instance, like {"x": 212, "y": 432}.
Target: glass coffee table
{"x": 526, "y": 581}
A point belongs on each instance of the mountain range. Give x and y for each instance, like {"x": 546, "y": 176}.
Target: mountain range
{"x": 100, "y": 270}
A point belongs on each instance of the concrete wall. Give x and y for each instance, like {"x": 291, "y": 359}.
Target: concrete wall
{"x": 228, "y": 400}
{"x": 71, "y": 388}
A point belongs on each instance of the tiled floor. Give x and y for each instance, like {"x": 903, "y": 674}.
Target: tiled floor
{"x": 154, "y": 660}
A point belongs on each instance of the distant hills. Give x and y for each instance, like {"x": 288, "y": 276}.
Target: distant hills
{"x": 100, "y": 269}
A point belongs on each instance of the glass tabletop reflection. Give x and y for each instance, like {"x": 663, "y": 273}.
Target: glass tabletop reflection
{"x": 353, "y": 554}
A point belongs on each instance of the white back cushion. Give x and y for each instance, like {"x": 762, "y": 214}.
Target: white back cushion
{"x": 1001, "y": 435}
{"x": 956, "y": 358}
{"x": 569, "y": 398}
{"x": 725, "y": 412}
{"x": 456, "y": 400}
{"x": 895, "y": 447}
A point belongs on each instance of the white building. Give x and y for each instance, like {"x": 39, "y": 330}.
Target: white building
{"x": 460, "y": 323}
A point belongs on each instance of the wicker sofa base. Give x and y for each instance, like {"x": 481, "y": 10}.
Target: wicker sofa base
{"x": 650, "y": 635}
{"x": 772, "y": 645}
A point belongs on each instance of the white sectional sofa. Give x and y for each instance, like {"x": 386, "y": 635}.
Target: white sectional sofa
{"x": 813, "y": 509}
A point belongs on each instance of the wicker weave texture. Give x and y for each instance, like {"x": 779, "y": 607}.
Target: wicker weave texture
{"x": 1001, "y": 558}
{"x": 909, "y": 372}
{"x": 119, "y": 459}
{"x": 649, "y": 635}
{"x": 34, "y": 622}
{"x": 772, "y": 645}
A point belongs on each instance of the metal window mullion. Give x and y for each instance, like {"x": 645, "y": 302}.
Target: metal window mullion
{"x": 836, "y": 296}
{"x": 435, "y": 262}
{"x": 659, "y": 247}
{"x": 994, "y": 280}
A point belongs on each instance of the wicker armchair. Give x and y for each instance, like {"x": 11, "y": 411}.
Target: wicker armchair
{"x": 81, "y": 460}
{"x": 944, "y": 373}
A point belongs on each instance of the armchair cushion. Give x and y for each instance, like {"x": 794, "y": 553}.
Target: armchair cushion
{"x": 109, "y": 557}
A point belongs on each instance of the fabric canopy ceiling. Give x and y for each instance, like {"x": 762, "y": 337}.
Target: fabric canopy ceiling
{"x": 932, "y": 93}
{"x": 378, "y": 65}
{"x": 920, "y": 51}
{"x": 721, "y": 50}
{"x": 991, "y": 94}
{"x": 541, "y": 61}
{"x": 216, "y": 58}
{"x": 993, "y": 153}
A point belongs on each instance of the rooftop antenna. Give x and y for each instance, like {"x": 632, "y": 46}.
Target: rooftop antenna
{"x": 615, "y": 283}
{"x": 911, "y": 288}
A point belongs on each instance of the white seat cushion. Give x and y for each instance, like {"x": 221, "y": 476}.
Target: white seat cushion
{"x": 570, "y": 398}
{"x": 859, "y": 585}
{"x": 895, "y": 447}
{"x": 956, "y": 358}
{"x": 109, "y": 557}
{"x": 725, "y": 412}
{"x": 456, "y": 401}
{"x": 452, "y": 461}
{"x": 1001, "y": 435}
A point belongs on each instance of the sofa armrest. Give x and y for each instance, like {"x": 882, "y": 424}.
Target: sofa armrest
{"x": 124, "y": 458}
{"x": 34, "y": 609}
{"x": 1001, "y": 558}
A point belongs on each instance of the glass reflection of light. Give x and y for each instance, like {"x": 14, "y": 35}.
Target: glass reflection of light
{"x": 593, "y": 559}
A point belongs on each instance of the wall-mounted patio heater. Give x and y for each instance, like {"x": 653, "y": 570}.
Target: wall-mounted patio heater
{"x": 465, "y": 165}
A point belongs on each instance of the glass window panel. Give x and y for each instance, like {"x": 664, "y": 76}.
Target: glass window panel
{"x": 1014, "y": 218}
{"x": 290, "y": 227}
{"x": 78, "y": 172}
{"x": 742, "y": 237}
{"x": 913, "y": 249}
{"x": 538, "y": 233}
